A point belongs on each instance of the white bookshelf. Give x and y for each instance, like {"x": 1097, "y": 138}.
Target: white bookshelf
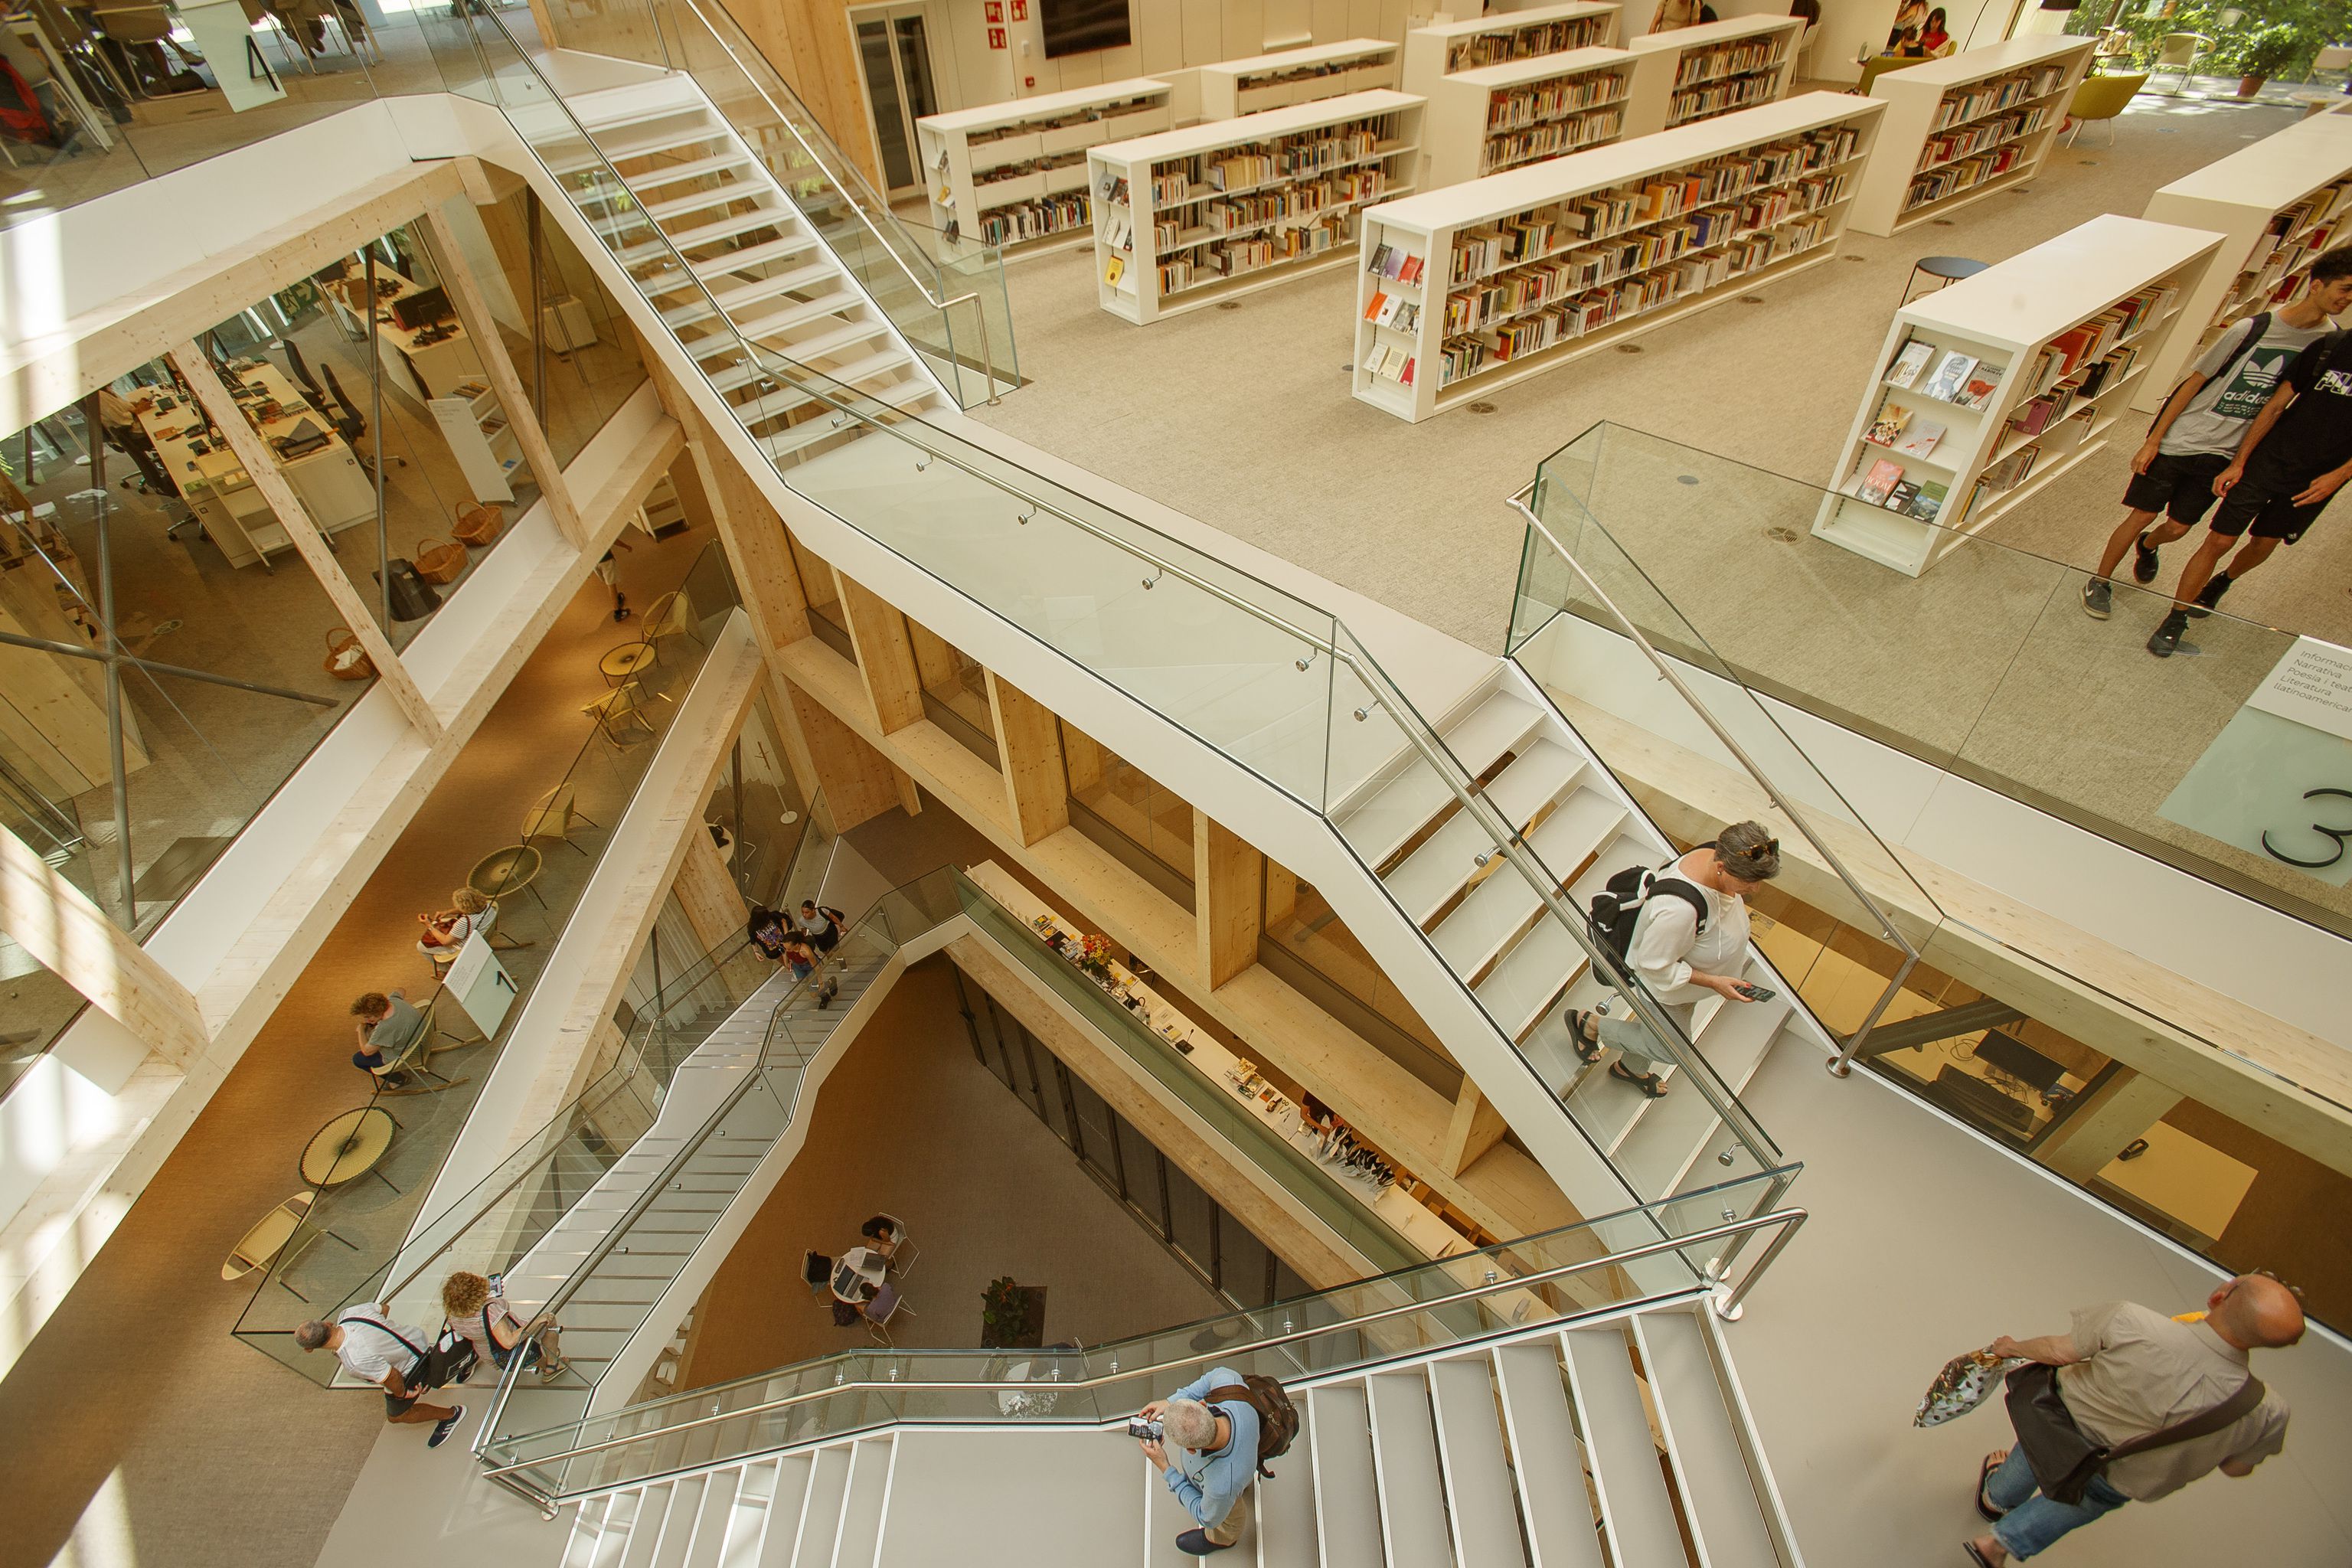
{"x": 1526, "y": 271}
{"x": 1233, "y": 88}
{"x": 1717, "y": 68}
{"x": 2277, "y": 205}
{"x": 1015, "y": 174}
{"x": 2011, "y": 318}
{"x": 1434, "y": 53}
{"x": 1495, "y": 118}
{"x": 1961, "y": 128}
{"x": 1183, "y": 200}
{"x": 486, "y": 447}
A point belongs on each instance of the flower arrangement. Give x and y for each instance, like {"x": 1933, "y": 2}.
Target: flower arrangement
{"x": 1093, "y": 957}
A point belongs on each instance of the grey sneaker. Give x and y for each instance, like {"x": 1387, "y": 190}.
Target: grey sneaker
{"x": 2167, "y": 635}
{"x": 2098, "y": 598}
{"x": 2143, "y": 560}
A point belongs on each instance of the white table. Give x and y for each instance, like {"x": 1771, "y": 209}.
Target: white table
{"x": 334, "y": 489}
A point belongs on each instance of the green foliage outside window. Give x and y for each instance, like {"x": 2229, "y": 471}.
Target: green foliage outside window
{"x": 2269, "y": 37}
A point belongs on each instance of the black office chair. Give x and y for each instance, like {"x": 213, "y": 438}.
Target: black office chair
{"x": 816, "y": 1273}
{"x": 301, "y": 373}
{"x": 350, "y": 424}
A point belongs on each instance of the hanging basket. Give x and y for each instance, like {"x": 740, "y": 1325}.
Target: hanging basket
{"x": 346, "y": 661}
{"x": 438, "y": 561}
{"x": 479, "y": 524}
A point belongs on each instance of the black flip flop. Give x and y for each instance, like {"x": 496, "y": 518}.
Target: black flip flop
{"x": 1974, "y": 1555}
{"x": 1648, "y": 1083}
{"x": 1984, "y": 1505}
{"x": 1587, "y": 1051}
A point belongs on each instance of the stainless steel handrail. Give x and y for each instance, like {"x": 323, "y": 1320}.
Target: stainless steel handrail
{"x": 1726, "y": 1304}
{"x": 1843, "y": 1063}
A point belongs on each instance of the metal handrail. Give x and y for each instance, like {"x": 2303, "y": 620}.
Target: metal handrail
{"x": 1725, "y": 1305}
{"x": 1843, "y": 1063}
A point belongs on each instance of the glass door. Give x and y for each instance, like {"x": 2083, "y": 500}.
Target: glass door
{"x": 895, "y": 57}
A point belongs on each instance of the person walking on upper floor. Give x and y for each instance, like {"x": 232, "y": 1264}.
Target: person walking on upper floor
{"x": 374, "y": 1348}
{"x": 2198, "y": 430}
{"x": 1207, "y": 1454}
{"x": 822, "y": 926}
{"x": 387, "y": 1026}
{"x": 476, "y": 1308}
{"x": 2127, "y": 1372}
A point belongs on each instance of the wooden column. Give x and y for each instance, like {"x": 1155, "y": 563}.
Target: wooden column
{"x": 707, "y": 892}
{"x": 1227, "y": 875}
{"x": 859, "y": 783}
{"x": 54, "y": 922}
{"x": 2098, "y": 1126}
{"x": 1281, "y": 892}
{"x": 1082, "y": 758}
{"x": 935, "y": 660}
{"x": 1476, "y": 1127}
{"x": 886, "y": 656}
{"x": 261, "y": 464}
{"x": 1029, "y": 745}
{"x": 465, "y": 294}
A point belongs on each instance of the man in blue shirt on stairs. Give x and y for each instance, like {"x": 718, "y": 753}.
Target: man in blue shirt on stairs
{"x": 1208, "y": 1456}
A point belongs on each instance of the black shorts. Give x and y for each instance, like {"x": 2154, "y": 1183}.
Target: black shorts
{"x": 2263, "y": 504}
{"x": 2181, "y": 486}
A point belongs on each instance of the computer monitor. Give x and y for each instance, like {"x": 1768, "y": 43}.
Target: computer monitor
{"x": 2019, "y": 1061}
{"x": 421, "y": 309}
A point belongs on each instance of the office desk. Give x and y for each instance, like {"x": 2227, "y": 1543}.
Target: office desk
{"x": 2185, "y": 1187}
{"x": 425, "y": 371}
{"x": 334, "y": 489}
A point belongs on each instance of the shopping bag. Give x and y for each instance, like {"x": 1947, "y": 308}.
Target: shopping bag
{"x": 1967, "y": 1381}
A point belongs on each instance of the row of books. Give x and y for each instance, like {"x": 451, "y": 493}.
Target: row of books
{"x": 2275, "y": 263}
{"x": 2053, "y": 374}
{"x": 1522, "y": 106}
{"x": 1393, "y": 310}
{"x": 1252, "y": 80}
{"x": 1396, "y": 262}
{"x": 1286, "y": 157}
{"x": 1707, "y": 103}
{"x": 1883, "y": 486}
{"x": 1595, "y": 128}
{"x": 1601, "y": 215}
{"x": 1524, "y": 42}
{"x": 1113, "y": 189}
{"x": 1948, "y": 146}
{"x": 978, "y": 139}
{"x": 1959, "y": 378}
{"x": 1231, "y": 212}
{"x": 1734, "y": 58}
{"x": 1035, "y": 220}
{"x": 2126, "y": 318}
{"x": 1977, "y": 100}
{"x": 1951, "y": 179}
{"x": 1232, "y": 258}
{"x": 1389, "y": 361}
{"x": 1026, "y": 166}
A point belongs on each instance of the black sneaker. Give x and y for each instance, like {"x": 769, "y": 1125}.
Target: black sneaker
{"x": 2143, "y": 560}
{"x": 2098, "y": 598}
{"x": 443, "y": 1427}
{"x": 2168, "y": 636}
{"x": 2211, "y": 595}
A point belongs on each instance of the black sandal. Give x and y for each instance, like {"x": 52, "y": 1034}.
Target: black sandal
{"x": 1587, "y": 1051}
{"x": 1650, "y": 1084}
{"x": 1984, "y": 1504}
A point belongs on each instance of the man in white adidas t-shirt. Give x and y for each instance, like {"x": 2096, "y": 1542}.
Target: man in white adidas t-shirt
{"x": 372, "y": 1346}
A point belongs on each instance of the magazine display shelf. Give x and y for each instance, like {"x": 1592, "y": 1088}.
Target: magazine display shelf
{"x": 1015, "y": 174}
{"x": 2005, "y": 100}
{"x": 1715, "y": 68}
{"x": 1501, "y": 117}
{"x": 1277, "y": 81}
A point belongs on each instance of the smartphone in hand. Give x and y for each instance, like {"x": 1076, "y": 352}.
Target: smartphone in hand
{"x": 1754, "y": 992}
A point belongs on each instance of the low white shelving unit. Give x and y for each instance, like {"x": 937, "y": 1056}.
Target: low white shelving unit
{"x": 1495, "y": 118}
{"x": 1961, "y": 128}
{"x": 1466, "y": 290}
{"x": 486, "y": 447}
{"x": 1288, "y": 77}
{"x": 2277, "y": 205}
{"x": 1717, "y": 68}
{"x": 1188, "y": 217}
{"x": 1434, "y": 53}
{"x": 1015, "y": 174}
{"x": 2017, "y": 374}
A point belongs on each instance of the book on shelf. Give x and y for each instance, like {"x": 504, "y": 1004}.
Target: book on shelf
{"x": 1900, "y": 498}
{"x": 2009, "y": 470}
{"x": 1919, "y": 440}
{"x": 1380, "y": 260}
{"x": 1951, "y": 374}
{"x": 1388, "y": 312}
{"x": 1928, "y": 501}
{"x": 1372, "y": 310}
{"x": 1910, "y": 361}
{"x": 1977, "y": 388}
{"x": 1890, "y": 423}
{"x": 1879, "y": 482}
{"x": 1114, "y": 271}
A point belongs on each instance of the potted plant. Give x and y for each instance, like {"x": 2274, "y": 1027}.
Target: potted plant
{"x": 1012, "y": 1314}
{"x": 2263, "y": 54}
{"x": 1094, "y": 958}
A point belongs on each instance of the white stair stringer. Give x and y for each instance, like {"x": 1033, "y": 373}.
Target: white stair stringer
{"x": 1549, "y": 1448}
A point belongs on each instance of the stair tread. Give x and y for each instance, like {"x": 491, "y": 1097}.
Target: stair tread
{"x": 1489, "y": 917}
{"x": 903, "y": 395}
{"x": 1669, "y": 1135}
{"x": 646, "y": 1528}
{"x": 1385, "y": 820}
{"x": 1436, "y": 871}
{"x": 1285, "y": 1504}
{"x": 1634, "y": 1507}
{"x": 860, "y": 1533}
{"x": 1404, "y": 1452}
{"x": 670, "y": 174}
{"x": 1549, "y": 1463}
{"x": 681, "y": 1522}
{"x": 780, "y": 1529}
{"x": 1476, "y": 1471}
{"x": 820, "y": 1514}
{"x": 1347, "y": 1500}
{"x": 705, "y": 234}
{"x": 1717, "y": 1493}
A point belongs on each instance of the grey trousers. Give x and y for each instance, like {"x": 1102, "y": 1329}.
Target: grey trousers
{"x": 1640, "y": 1048}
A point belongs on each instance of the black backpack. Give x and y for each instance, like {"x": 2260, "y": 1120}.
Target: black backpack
{"x": 450, "y": 1359}
{"x": 1617, "y": 908}
{"x": 1277, "y": 1418}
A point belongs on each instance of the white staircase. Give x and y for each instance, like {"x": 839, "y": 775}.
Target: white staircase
{"x": 751, "y": 254}
{"x": 1622, "y": 1441}
{"x": 1490, "y": 926}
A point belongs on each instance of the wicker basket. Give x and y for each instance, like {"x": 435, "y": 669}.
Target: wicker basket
{"x": 345, "y": 660}
{"x": 479, "y": 524}
{"x": 439, "y": 562}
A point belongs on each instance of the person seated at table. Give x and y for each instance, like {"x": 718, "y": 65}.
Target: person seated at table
{"x": 446, "y": 931}
{"x": 479, "y": 1310}
{"x": 387, "y": 1026}
{"x": 1318, "y": 1117}
{"x": 1935, "y": 38}
{"x": 883, "y": 1236}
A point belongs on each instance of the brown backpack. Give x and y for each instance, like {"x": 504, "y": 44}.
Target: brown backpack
{"x": 1277, "y": 1418}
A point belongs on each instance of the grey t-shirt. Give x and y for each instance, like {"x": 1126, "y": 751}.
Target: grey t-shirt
{"x": 2215, "y": 419}
{"x": 395, "y": 1031}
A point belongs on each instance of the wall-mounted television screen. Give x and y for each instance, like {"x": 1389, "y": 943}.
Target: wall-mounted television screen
{"x": 1081, "y": 26}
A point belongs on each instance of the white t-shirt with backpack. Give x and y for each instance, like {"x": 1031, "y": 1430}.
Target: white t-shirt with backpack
{"x": 1669, "y": 941}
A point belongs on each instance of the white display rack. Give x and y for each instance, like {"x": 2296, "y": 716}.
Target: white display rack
{"x": 1434, "y": 53}
{"x": 2053, "y": 367}
{"x": 1717, "y": 68}
{"x": 2277, "y": 205}
{"x": 1015, "y": 174}
{"x": 1232, "y": 87}
{"x": 1961, "y": 128}
{"x": 1181, "y": 220}
{"x": 486, "y": 447}
{"x": 1495, "y": 118}
{"x": 1525, "y": 270}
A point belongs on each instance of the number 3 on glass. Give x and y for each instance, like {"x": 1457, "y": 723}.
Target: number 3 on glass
{"x": 2343, "y": 836}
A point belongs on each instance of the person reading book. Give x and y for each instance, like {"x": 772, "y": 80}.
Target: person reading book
{"x": 2200, "y": 430}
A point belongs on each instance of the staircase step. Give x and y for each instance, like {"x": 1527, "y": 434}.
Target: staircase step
{"x": 1493, "y": 914}
{"x": 588, "y": 1526}
{"x": 774, "y": 407}
{"x": 747, "y": 1516}
{"x": 1347, "y": 1489}
{"x": 821, "y": 1515}
{"x": 798, "y": 312}
{"x": 697, "y": 308}
{"x": 860, "y": 1535}
{"x": 1718, "y": 1496}
{"x": 1634, "y": 1507}
{"x": 679, "y": 1525}
{"x": 661, "y": 212}
{"x": 1547, "y": 1459}
{"x": 1404, "y": 1456}
{"x": 1519, "y": 992}
{"x": 1440, "y": 868}
{"x": 646, "y": 1528}
{"x": 804, "y": 352}
{"x": 703, "y": 131}
{"x": 1667, "y": 1136}
{"x": 1391, "y": 814}
{"x": 674, "y": 280}
{"x": 904, "y": 395}
{"x": 704, "y": 233}
{"x": 1287, "y": 1534}
{"x": 613, "y": 1538}
{"x": 674, "y": 174}
{"x": 1477, "y": 1473}
{"x": 781, "y": 1530}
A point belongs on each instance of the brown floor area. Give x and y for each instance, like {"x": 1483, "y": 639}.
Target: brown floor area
{"x": 910, "y": 1123}
{"x": 218, "y": 1455}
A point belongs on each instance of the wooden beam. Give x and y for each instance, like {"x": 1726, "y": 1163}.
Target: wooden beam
{"x": 474, "y": 311}
{"x": 859, "y": 783}
{"x": 2100, "y": 1124}
{"x": 1476, "y": 1127}
{"x": 261, "y": 466}
{"x": 1281, "y": 892}
{"x": 748, "y": 526}
{"x": 1029, "y": 749}
{"x": 1082, "y": 756}
{"x": 707, "y": 894}
{"x": 886, "y": 656}
{"x": 1227, "y": 877}
{"x": 935, "y": 659}
{"x": 71, "y": 937}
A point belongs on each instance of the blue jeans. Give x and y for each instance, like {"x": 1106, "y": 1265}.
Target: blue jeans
{"x": 2034, "y": 1521}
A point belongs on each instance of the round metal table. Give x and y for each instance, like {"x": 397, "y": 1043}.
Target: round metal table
{"x": 504, "y": 872}
{"x": 1946, "y": 269}
{"x": 620, "y": 663}
{"x": 348, "y": 1147}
